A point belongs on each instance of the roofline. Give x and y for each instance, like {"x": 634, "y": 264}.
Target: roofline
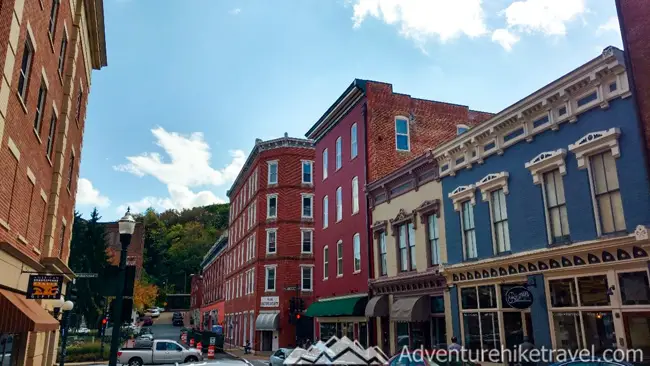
{"x": 546, "y": 91}
{"x": 96, "y": 32}
{"x": 215, "y": 250}
{"x": 358, "y": 84}
{"x": 422, "y": 160}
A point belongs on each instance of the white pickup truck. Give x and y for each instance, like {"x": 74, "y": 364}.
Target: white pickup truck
{"x": 161, "y": 351}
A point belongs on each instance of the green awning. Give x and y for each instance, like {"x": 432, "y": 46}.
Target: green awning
{"x": 351, "y": 306}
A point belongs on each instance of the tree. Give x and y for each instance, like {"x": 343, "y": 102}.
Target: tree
{"x": 144, "y": 293}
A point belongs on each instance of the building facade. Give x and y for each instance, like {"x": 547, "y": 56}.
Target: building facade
{"x": 194, "y": 316}
{"x": 48, "y": 50}
{"x": 365, "y": 135}
{"x": 408, "y": 234}
{"x": 269, "y": 258}
{"x": 546, "y": 209}
{"x": 135, "y": 252}
{"x": 211, "y": 308}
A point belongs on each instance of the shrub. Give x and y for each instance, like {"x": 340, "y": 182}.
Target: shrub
{"x": 86, "y": 352}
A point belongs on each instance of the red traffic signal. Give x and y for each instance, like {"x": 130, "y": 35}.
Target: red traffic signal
{"x": 104, "y": 321}
{"x": 298, "y": 316}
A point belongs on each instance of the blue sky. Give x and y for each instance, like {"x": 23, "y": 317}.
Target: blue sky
{"x": 191, "y": 84}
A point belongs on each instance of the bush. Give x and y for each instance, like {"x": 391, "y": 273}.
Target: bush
{"x": 86, "y": 352}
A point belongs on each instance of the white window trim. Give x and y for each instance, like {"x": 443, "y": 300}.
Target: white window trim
{"x": 355, "y": 202}
{"x": 268, "y": 205}
{"x": 594, "y": 143}
{"x": 354, "y": 141}
{"x": 462, "y": 227}
{"x": 302, "y": 278}
{"x": 326, "y": 212}
{"x": 326, "y": 162}
{"x": 546, "y": 162}
{"x": 462, "y": 194}
{"x": 339, "y": 202}
{"x": 493, "y": 234}
{"x": 277, "y": 172}
{"x": 302, "y": 206}
{"x": 339, "y": 256}
{"x": 408, "y": 132}
{"x": 311, "y": 166}
{"x": 269, "y": 231}
{"x": 492, "y": 182}
{"x": 355, "y": 271}
{"x": 338, "y": 152}
{"x": 326, "y": 260}
{"x": 266, "y": 277}
{"x": 302, "y": 238}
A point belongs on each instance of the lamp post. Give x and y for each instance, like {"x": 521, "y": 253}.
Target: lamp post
{"x": 65, "y": 306}
{"x": 126, "y": 227}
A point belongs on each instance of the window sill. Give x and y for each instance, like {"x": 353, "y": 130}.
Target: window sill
{"x": 354, "y": 213}
{"x": 339, "y": 276}
{"x": 325, "y": 227}
{"x": 307, "y": 253}
{"x": 271, "y": 185}
{"x": 5, "y": 225}
{"x": 271, "y": 254}
{"x": 356, "y": 272}
{"x": 49, "y": 160}
{"x": 60, "y": 77}
{"x": 303, "y": 290}
{"x": 49, "y": 38}
{"x": 306, "y": 218}
{"x": 325, "y": 278}
{"x": 36, "y": 250}
{"x": 22, "y": 239}
{"x": 307, "y": 184}
{"x": 502, "y": 254}
{"x": 38, "y": 137}
{"x": 269, "y": 291}
{"x": 474, "y": 259}
{"x": 22, "y": 102}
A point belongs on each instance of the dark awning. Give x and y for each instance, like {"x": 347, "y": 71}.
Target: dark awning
{"x": 411, "y": 309}
{"x": 377, "y": 306}
{"x": 268, "y": 321}
{"x": 351, "y": 306}
{"x": 21, "y": 315}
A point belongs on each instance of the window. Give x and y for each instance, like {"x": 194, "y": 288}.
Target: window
{"x": 355, "y": 195}
{"x": 607, "y": 193}
{"x": 64, "y": 46}
{"x": 306, "y": 278}
{"x": 406, "y": 247}
{"x": 324, "y": 164}
{"x": 480, "y": 317}
{"x": 356, "y": 245}
{"x": 273, "y": 172}
{"x": 326, "y": 262}
{"x": 469, "y": 232}
{"x": 339, "y": 160}
{"x": 271, "y": 206}
{"x": 53, "y": 15}
{"x": 339, "y": 259}
{"x": 40, "y": 105}
{"x": 500, "y": 221}
{"x": 461, "y": 129}
{"x": 339, "y": 204}
{"x": 307, "y": 169}
{"x": 402, "y": 142}
{"x": 71, "y": 172}
{"x": 353, "y": 141}
{"x": 307, "y": 238}
{"x": 271, "y": 241}
{"x": 434, "y": 236}
{"x": 62, "y": 239}
{"x": 269, "y": 284}
{"x": 382, "y": 254}
{"x": 556, "y": 207}
{"x": 49, "y": 147}
{"x": 325, "y": 212}
{"x": 80, "y": 97}
{"x": 25, "y": 68}
{"x": 307, "y": 205}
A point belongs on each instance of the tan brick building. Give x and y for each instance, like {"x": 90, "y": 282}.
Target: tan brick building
{"x": 48, "y": 49}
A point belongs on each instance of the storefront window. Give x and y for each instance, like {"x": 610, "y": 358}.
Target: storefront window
{"x": 472, "y": 331}
{"x": 637, "y": 326}
{"x": 563, "y": 293}
{"x": 363, "y": 334}
{"x": 568, "y": 333}
{"x": 481, "y": 329}
{"x": 348, "y": 330}
{"x": 437, "y": 305}
{"x": 327, "y": 330}
{"x": 593, "y": 291}
{"x": 469, "y": 298}
{"x": 487, "y": 297}
{"x": 504, "y": 291}
{"x": 490, "y": 330}
{"x": 439, "y": 332}
{"x": 513, "y": 328}
{"x": 402, "y": 329}
{"x": 599, "y": 330}
{"x": 635, "y": 289}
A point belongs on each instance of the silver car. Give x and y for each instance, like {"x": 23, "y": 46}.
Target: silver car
{"x": 278, "y": 357}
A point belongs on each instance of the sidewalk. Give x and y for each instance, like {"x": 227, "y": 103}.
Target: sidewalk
{"x": 239, "y": 353}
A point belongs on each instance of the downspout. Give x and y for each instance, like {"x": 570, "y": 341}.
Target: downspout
{"x": 632, "y": 84}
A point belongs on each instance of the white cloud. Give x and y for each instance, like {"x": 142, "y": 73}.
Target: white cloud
{"x": 611, "y": 25}
{"x": 188, "y": 166}
{"x": 420, "y": 20}
{"x": 235, "y": 11}
{"x": 89, "y": 195}
{"x": 545, "y": 16}
{"x": 505, "y": 38}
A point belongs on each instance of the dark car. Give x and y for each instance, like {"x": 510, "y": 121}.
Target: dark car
{"x": 147, "y": 321}
{"x": 177, "y": 321}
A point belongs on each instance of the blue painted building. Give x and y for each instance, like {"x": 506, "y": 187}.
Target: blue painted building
{"x": 546, "y": 208}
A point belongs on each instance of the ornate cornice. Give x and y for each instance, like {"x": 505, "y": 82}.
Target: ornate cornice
{"x": 596, "y": 142}
{"x": 411, "y": 283}
{"x": 546, "y": 161}
{"x": 402, "y": 218}
{"x": 429, "y": 207}
{"x": 491, "y": 182}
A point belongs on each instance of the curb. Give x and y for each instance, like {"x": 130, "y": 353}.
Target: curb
{"x": 238, "y": 357}
{"x": 85, "y": 363}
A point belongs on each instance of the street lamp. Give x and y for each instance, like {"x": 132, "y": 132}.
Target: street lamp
{"x": 126, "y": 226}
{"x": 65, "y": 306}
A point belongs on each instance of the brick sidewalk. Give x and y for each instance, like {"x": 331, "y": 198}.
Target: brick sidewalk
{"x": 238, "y": 352}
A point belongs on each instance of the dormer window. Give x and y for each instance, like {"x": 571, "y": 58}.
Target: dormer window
{"x": 461, "y": 129}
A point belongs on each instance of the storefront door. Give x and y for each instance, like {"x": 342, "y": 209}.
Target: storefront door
{"x": 267, "y": 341}
{"x": 637, "y": 331}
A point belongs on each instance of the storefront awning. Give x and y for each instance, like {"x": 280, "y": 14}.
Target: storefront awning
{"x": 269, "y": 321}
{"x": 351, "y": 306}
{"x": 21, "y": 315}
{"x": 377, "y": 306}
{"x": 411, "y": 309}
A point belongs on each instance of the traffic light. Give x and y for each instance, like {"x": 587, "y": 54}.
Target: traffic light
{"x": 72, "y": 292}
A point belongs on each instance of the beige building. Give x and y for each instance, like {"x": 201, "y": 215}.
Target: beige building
{"x": 408, "y": 299}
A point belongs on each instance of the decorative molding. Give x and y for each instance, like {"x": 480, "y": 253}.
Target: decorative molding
{"x": 402, "y": 218}
{"x": 461, "y": 194}
{"x": 595, "y": 142}
{"x": 429, "y": 207}
{"x": 491, "y": 182}
{"x": 641, "y": 233}
{"x": 546, "y": 161}
{"x": 378, "y": 226}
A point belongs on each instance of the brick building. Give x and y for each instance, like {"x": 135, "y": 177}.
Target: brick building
{"x": 269, "y": 258}
{"x": 135, "y": 252}
{"x": 212, "y": 301}
{"x": 48, "y": 50}
{"x": 367, "y": 133}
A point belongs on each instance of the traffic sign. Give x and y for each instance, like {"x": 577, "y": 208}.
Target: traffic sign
{"x": 86, "y": 275}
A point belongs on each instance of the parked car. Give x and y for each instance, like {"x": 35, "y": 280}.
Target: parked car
{"x": 162, "y": 351}
{"x": 147, "y": 321}
{"x": 278, "y": 357}
{"x": 153, "y": 312}
{"x": 177, "y": 322}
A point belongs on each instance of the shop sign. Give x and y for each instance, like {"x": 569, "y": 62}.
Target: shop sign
{"x": 270, "y": 301}
{"x": 44, "y": 287}
{"x": 519, "y": 297}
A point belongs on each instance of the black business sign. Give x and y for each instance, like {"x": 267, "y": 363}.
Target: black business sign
{"x": 44, "y": 287}
{"x": 519, "y": 297}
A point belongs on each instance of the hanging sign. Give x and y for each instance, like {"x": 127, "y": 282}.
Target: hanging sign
{"x": 44, "y": 287}
{"x": 519, "y": 297}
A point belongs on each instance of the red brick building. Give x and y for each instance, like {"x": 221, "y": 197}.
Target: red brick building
{"x": 367, "y": 133}
{"x": 135, "y": 252}
{"x": 634, "y": 19}
{"x": 210, "y": 295}
{"x": 48, "y": 50}
{"x": 269, "y": 258}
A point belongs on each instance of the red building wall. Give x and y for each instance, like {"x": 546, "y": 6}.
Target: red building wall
{"x": 196, "y": 292}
